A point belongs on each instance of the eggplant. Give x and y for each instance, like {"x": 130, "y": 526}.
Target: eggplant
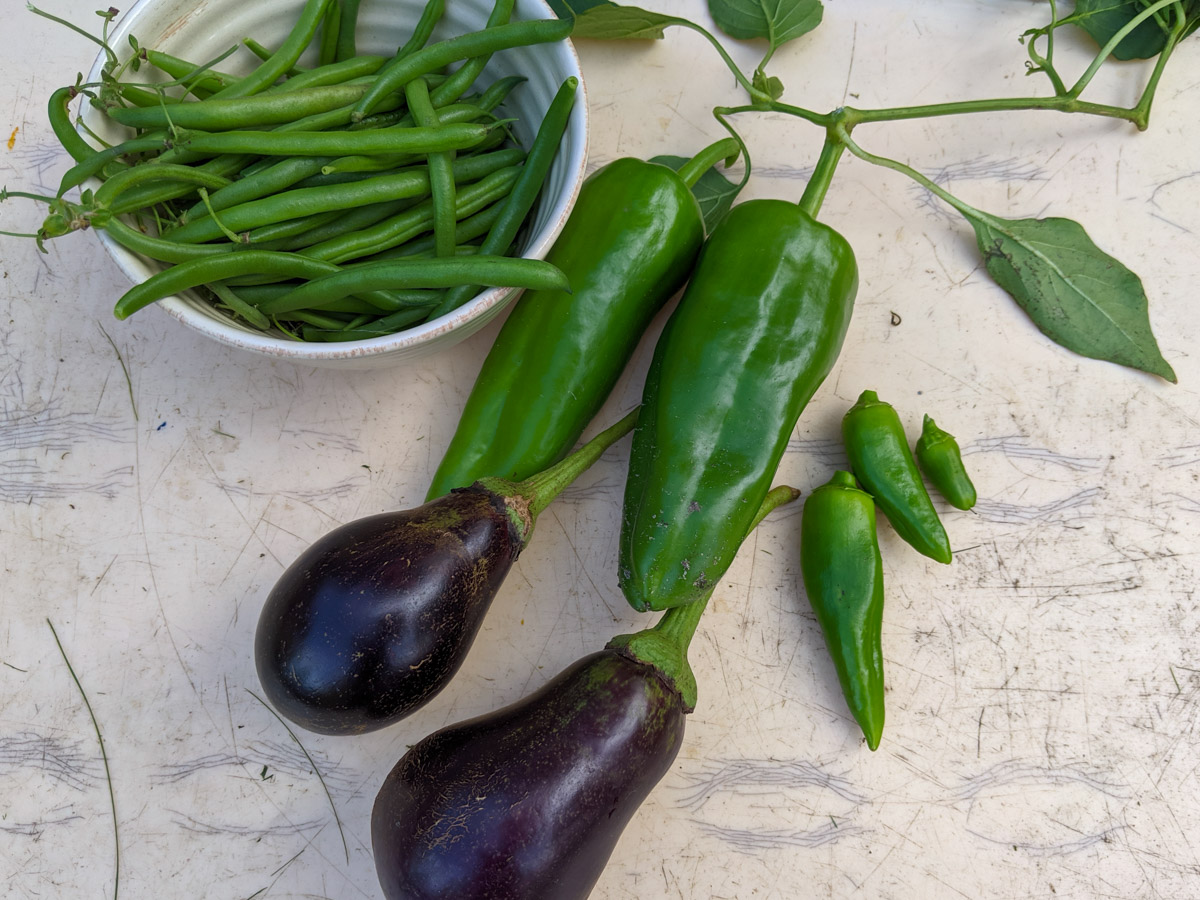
{"x": 374, "y": 619}
{"x": 529, "y": 801}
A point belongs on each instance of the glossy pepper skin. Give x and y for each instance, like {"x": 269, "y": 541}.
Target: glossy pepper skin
{"x": 628, "y": 246}
{"x": 843, "y": 577}
{"x": 940, "y": 458}
{"x": 879, "y": 455}
{"x": 759, "y": 327}
{"x": 527, "y": 803}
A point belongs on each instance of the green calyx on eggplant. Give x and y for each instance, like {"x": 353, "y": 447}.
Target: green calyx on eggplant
{"x": 529, "y": 801}
{"x": 374, "y": 619}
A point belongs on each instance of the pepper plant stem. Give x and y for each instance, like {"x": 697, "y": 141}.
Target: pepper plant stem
{"x": 1116, "y": 39}
{"x": 665, "y": 644}
{"x": 897, "y": 166}
{"x": 692, "y": 170}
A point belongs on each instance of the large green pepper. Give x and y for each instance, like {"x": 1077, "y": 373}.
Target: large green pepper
{"x": 757, "y": 330}
{"x": 843, "y": 577}
{"x": 627, "y": 247}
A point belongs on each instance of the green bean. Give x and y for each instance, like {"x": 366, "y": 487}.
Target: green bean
{"x": 139, "y": 96}
{"x": 289, "y": 228}
{"x": 457, "y": 112}
{"x": 462, "y": 79}
{"x": 349, "y": 306}
{"x": 337, "y": 118}
{"x": 498, "y": 92}
{"x": 59, "y": 114}
{"x": 496, "y": 271}
{"x": 274, "y": 108}
{"x": 401, "y": 70}
{"x": 265, "y": 54}
{"x": 283, "y": 174}
{"x": 355, "y": 165}
{"x": 220, "y": 267}
{"x": 85, "y": 169}
{"x": 153, "y": 194}
{"x": 430, "y": 16}
{"x": 347, "y": 221}
{"x": 114, "y": 187}
{"x": 410, "y": 223}
{"x": 526, "y": 189}
{"x": 441, "y": 168}
{"x": 283, "y": 58}
{"x": 324, "y": 323}
{"x": 360, "y": 165}
{"x": 320, "y": 179}
{"x": 331, "y": 26}
{"x": 319, "y": 143}
{"x": 383, "y": 326}
{"x": 465, "y": 230}
{"x": 335, "y": 73}
{"x": 345, "y": 48}
{"x": 303, "y": 201}
{"x": 159, "y": 248}
{"x": 189, "y": 74}
{"x": 259, "y": 294}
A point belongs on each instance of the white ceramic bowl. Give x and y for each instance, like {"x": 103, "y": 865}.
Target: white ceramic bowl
{"x": 200, "y": 30}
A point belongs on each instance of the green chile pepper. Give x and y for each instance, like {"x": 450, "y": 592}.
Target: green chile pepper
{"x": 880, "y": 458}
{"x": 627, "y": 247}
{"x": 843, "y": 577}
{"x": 759, "y": 327}
{"x": 940, "y": 458}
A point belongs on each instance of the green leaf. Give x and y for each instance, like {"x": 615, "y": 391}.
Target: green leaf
{"x": 714, "y": 192}
{"x": 608, "y": 21}
{"x": 771, "y": 86}
{"x": 779, "y": 21}
{"x": 1078, "y": 295}
{"x": 568, "y": 9}
{"x": 1104, "y": 18}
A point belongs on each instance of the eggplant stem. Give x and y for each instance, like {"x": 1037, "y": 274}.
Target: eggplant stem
{"x": 527, "y": 499}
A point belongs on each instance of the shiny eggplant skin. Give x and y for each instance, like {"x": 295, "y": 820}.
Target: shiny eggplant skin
{"x": 375, "y": 618}
{"x": 527, "y": 803}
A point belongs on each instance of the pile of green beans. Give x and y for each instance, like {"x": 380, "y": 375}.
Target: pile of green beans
{"x": 350, "y": 200}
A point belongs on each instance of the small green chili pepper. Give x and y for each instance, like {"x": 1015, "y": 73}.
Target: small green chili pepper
{"x": 843, "y": 577}
{"x": 940, "y": 459}
{"x": 881, "y": 460}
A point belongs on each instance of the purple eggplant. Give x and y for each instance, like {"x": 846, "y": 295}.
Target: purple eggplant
{"x": 528, "y": 802}
{"x": 374, "y": 619}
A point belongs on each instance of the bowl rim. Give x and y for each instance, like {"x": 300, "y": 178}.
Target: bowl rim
{"x": 477, "y": 311}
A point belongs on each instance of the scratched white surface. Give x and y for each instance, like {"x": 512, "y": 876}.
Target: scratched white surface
{"x": 1043, "y": 692}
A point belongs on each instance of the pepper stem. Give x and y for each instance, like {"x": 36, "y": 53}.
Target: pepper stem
{"x": 725, "y": 149}
{"x": 822, "y": 176}
{"x": 665, "y": 645}
{"x": 529, "y": 498}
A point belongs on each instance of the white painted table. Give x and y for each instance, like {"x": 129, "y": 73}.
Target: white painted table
{"x": 1043, "y": 690}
